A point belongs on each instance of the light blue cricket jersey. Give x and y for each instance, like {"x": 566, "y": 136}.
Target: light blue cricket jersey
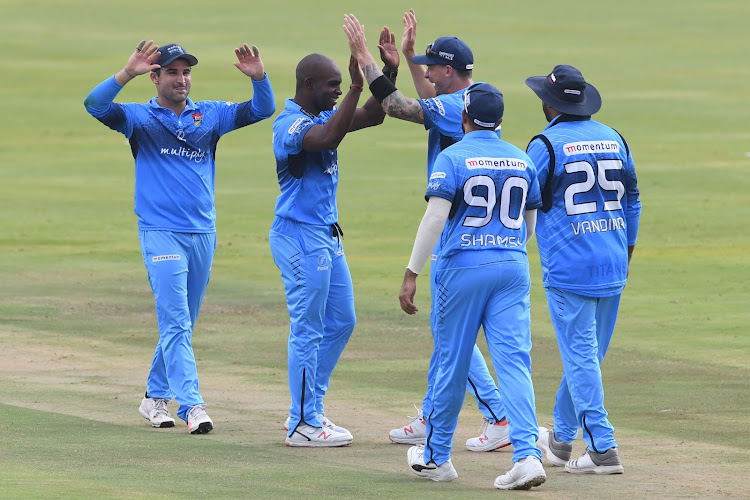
{"x": 175, "y": 157}
{"x": 442, "y": 120}
{"x": 491, "y": 183}
{"x": 591, "y": 206}
{"x": 308, "y": 179}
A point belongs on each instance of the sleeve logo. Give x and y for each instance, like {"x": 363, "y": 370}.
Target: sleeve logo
{"x": 435, "y": 104}
{"x": 295, "y": 125}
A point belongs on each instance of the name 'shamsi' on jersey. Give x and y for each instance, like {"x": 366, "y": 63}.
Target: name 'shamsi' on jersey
{"x": 490, "y": 183}
{"x": 589, "y": 196}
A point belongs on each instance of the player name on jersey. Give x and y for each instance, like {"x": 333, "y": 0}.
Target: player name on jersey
{"x": 490, "y": 240}
{"x": 598, "y": 226}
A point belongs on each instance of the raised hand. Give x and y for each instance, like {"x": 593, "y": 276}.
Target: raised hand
{"x": 355, "y": 33}
{"x": 388, "y": 51}
{"x": 355, "y": 72}
{"x": 143, "y": 59}
{"x": 249, "y": 62}
{"x": 409, "y": 38}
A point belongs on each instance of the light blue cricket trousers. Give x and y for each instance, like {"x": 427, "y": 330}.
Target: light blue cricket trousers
{"x": 320, "y": 299}
{"x": 584, "y": 328}
{"x": 495, "y": 297}
{"x": 179, "y": 267}
{"x": 479, "y": 383}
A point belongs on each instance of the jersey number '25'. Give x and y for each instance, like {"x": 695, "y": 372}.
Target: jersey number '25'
{"x": 489, "y": 202}
{"x": 573, "y": 208}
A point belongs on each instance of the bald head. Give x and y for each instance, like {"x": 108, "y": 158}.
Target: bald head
{"x": 315, "y": 67}
{"x": 318, "y": 83}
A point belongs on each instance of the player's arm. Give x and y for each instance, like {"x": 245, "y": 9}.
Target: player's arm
{"x": 371, "y": 113}
{"x": 392, "y": 101}
{"x": 425, "y": 89}
{"x": 329, "y": 135}
{"x": 529, "y": 216}
{"x": 633, "y": 207}
{"x": 427, "y": 237}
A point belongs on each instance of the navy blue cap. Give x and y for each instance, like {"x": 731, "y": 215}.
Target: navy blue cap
{"x": 172, "y": 51}
{"x": 484, "y": 105}
{"x": 565, "y": 90}
{"x": 448, "y": 51}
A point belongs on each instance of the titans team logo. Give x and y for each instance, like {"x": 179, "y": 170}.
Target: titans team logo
{"x": 197, "y": 119}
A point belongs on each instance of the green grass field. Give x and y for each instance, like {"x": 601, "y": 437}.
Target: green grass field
{"x": 77, "y": 326}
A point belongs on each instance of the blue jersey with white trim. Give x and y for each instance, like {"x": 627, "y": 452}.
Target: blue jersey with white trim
{"x": 175, "y": 164}
{"x": 594, "y": 206}
{"x": 308, "y": 179}
{"x": 491, "y": 183}
{"x": 442, "y": 120}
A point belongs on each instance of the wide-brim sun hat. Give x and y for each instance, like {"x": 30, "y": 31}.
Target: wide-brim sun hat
{"x": 565, "y": 90}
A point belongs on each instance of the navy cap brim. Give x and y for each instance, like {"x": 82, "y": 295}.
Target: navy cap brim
{"x": 592, "y": 100}
{"x": 427, "y": 60}
{"x": 191, "y": 59}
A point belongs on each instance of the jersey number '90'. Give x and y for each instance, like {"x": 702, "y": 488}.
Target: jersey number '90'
{"x": 573, "y": 208}
{"x": 489, "y": 202}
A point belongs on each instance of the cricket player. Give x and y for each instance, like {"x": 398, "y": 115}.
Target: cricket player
{"x": 307, "y": 241}
{"x": 586, "y": 234}
{"x": 441, "y": 86}
{"x": 482, "y": 200}
{"x": 173, "y": 141}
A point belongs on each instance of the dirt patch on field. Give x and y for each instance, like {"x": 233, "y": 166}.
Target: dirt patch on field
{"x": 104, "y": 382}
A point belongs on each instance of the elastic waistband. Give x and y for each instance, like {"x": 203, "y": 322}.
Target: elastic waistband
{"x": 283, "y": 225}
{"x": 476, "y": 258}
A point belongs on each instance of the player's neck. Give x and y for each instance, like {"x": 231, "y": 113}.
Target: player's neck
{"x": 306, "y": 105}
{"x": 459, "y": 84}
{"x": 176, "y": 107}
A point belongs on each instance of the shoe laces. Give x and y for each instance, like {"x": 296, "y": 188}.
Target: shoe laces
{"x": 198, "y": 412}
{"x": 420, "y": 415}
{"x": 484, "y": 426}
{"x": 160, "y": 408}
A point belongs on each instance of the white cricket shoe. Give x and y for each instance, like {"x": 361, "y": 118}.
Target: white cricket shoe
{"x": 414, "y": 433}
{"x": 326, "y": 423}
{"x": 199, "y": 421}
{"x": 596, "y": 463}
{"x": 155, "y": 411}
{"x": 308, "y": 436}
{"x": 558, "y": 452}
{"x": 491, "y": 437}
{"x": 415, "y": 459}
{"x": 523, "y": 475}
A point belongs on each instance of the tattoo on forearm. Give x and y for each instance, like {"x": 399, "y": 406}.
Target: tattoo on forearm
{"x": 371, "y": 72}
{"x": 403, "y": 108}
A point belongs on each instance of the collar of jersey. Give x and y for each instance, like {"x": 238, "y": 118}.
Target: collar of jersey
{"x": 154, "y": 104}
{"x": 482, "y": 134}
{"x": 291, "y": 104}
{"x": 567, "y": 118}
